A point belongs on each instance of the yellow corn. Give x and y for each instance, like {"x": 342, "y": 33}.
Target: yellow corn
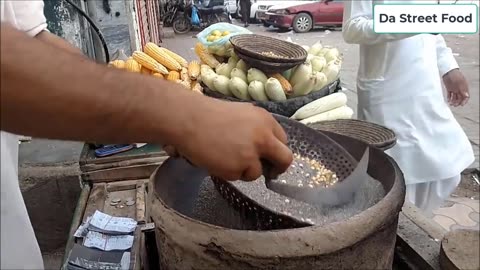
{"x": 205, "y": 57}
{"x": 158, "y": 75}
{"x": 286, "y": 86}
{"x": 194, "y": 70}
{"x": 148, "y": 62}
{"x": 175, "y": 56}
{"x": 117, "y": 64}
{"x": 173, "y": 76}
{"x": 132, "y": 65}
{"x": 161, "y": 56}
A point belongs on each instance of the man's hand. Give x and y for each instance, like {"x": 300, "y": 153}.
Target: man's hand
{"x": 229, "y": 140}
{"x": 457, "y": 88}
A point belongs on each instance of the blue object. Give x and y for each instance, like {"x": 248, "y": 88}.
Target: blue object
{"x": 195, "y": 18}
{"x": 112, "y": 149}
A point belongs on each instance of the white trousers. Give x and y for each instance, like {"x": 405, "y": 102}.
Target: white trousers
{"x": 429, "y": 196}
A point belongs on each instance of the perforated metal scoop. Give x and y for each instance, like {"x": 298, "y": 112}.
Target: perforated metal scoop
{"x": 323, "y": 192}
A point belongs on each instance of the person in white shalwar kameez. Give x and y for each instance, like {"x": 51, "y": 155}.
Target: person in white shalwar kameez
{"x": 399, "y": 86}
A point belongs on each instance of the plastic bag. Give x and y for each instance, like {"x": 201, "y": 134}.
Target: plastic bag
{"x": 221, "y": 46}
{"x": 195, "y": 19}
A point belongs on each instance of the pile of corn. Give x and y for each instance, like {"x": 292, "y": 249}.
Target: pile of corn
{"x": 164, "y": 64}
{"x": 313, "y": 173}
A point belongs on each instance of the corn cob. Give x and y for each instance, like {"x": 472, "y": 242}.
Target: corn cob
{"x": 158, "y": 75}
{"x": 286, "y": 86}
{"x": 205, "y": 57}
{"x": 132, "y": 65}
{"x": 194, "y": 70}
{"x": 176, "y": 57}
{"x": 117, "y": 64}
{"x": 148, "y": 62}
{"x": 161, "y": 56}
{"x": 173, "y": 76}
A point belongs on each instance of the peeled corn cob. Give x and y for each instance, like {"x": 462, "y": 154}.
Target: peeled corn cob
{"x": 194, "y": 70}
{"x": 158, "y": 75}
{"x": 161, "y": 56}
{"x": 173, "y": 76}
{"x": 148, "y": 62}
{"x": 176, "y": 57}
{"x": 117, "y": 64}
{"x": 287, "y": 87}
{"x": 132, "y": 65}
{"x": 206, "y": 57}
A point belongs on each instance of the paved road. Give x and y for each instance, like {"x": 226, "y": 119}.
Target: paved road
{"x": 464, "y": 47}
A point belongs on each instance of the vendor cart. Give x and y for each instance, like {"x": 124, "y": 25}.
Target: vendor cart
{"x": 122, "y": 175}
{"x": 127, "y": 174}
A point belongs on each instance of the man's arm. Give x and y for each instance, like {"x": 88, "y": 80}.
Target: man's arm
{"x": 57, "y": 42}
{"x": 54, "y": 94}
{"x": 358, "y": 24}
{"x": 453, "y": 79}
{"x": 445, "y": 59}
{"x": 31, "y": 20}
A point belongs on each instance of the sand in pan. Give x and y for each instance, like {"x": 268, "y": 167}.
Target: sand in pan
{"x": 212, "y": 208}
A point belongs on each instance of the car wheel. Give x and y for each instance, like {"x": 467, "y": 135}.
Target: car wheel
{"x": 302, "y": 23}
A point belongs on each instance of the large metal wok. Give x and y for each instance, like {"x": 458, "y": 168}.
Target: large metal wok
{"x": 210, "y": 234}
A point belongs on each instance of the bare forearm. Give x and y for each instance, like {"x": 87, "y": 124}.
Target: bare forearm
{"x": 55, "y": 94}
{"x": 57, "y": 42}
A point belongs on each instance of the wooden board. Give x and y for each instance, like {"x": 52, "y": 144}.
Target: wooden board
{"x": 102, "y": 195}
{"x": 121, "y": 173}
{"x": 87, "y": 155}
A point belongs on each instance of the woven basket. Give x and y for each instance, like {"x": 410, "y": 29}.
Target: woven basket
{"x": 373, "y": 134}
{"x": 255, "y": 46}
{"x": 267, "y": 66}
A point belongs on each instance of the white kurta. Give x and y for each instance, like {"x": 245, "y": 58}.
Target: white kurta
{"x": 19, "y": 248}
{"x": 399, "y": 86}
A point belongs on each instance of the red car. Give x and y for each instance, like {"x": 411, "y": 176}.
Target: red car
{"x": 303, "y": 18}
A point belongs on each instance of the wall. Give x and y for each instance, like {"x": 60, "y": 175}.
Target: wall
{"x": 115, "y": 20}
{"x": 64, "y": 21}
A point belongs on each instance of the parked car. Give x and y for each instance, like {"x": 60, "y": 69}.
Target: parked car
{"x": 231, "y": 6}
{"x": 303, "y": 18}
{"x": 260, "y": 7}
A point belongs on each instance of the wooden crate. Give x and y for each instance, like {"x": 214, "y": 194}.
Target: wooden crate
{"x": 97, "y": 196}
{"x": 134, "y": 164}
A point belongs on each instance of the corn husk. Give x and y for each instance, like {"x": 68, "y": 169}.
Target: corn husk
{"x": 274, "y": 90}
{"x": 239, "y": 88}
{"x": 256, "y": 90}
